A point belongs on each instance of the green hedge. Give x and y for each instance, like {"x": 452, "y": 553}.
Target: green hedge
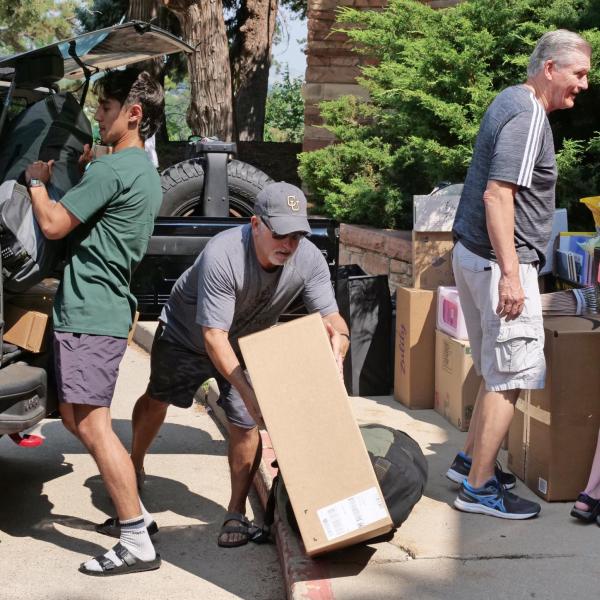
{"x": 436, "y": 73}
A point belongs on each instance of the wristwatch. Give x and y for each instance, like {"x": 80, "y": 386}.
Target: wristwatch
{"x": 33, "y": 182}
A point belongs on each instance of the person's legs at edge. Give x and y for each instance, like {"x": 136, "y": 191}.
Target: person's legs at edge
{"x": 592, "y": 489}
{"x": 94, "y": 428}
{"x": 245, "y": 449}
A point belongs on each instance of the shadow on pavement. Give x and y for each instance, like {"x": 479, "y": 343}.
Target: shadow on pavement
{"x": 27, "y": 512}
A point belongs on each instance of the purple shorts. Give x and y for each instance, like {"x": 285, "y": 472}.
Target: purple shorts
{"x": 87, "y": 367}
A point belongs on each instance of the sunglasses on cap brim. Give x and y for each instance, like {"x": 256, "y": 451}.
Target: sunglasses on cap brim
{"x": 295, "y": 236}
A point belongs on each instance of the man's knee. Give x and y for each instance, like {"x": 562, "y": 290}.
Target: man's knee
{"x": 245, "y": 435}
{"x": 68, "y": 419}
{"x": 151, "y": 406}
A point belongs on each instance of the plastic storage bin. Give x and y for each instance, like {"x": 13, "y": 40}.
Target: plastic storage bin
{"x": 450, "y": 318}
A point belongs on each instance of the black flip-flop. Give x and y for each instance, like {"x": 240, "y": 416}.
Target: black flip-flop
{"x": 112, "y": 528}
{"x": 130, "y": 564}
{"x": 247, "y": 529}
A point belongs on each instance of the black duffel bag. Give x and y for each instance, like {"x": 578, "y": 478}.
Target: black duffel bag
{"x": 400, "y": 467}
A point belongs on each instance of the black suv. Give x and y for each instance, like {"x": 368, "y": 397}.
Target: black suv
{"x": 203, "y": 195}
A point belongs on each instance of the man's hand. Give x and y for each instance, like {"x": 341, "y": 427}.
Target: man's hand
{"x": 251, "y": 403}
{"x": 39, "y": 170}
{"x": 338, "y": 343}
{"x": 86, "y": 157}
{"x": 511, "y": 297}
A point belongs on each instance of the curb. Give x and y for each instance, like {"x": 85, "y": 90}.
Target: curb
{"x": 305, "y": 578}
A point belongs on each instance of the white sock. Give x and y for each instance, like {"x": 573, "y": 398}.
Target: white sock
{"x": 134, "y": 537}
{"x": 147, "y": 516}
{"x": 94, "y": 565}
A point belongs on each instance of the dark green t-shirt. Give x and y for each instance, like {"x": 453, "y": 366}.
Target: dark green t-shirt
{"x": 116, "y": 201}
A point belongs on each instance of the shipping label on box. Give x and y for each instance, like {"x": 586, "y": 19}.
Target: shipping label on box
{"x": 321, "y": 454}
{"x": 414, "y": 355}
{"x": 432, "y": 259}
{"x": 456, "y": 381}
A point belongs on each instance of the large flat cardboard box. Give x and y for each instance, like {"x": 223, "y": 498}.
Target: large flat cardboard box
{"x": 27, "y": 316}
{"x": 456, "y": 381}
{"x": 553, "y": 435}
{"x": 321, "y": 454}
{"x": 432, "y": 259}
{"x": 25, "y": 328}
{"x": 414, "y": 354}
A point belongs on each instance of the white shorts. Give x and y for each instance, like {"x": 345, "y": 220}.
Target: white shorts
{"x": 508, "y": 354}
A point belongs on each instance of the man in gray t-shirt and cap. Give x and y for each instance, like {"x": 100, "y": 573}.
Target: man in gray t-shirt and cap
{"x": 242, "y": 282}
{"x": 502, "y": 228}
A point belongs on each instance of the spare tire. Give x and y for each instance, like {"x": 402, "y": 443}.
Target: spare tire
{"x": 182, "y": 186}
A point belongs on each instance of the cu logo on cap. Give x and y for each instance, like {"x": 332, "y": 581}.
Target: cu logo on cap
{"x": 293, "y": 203}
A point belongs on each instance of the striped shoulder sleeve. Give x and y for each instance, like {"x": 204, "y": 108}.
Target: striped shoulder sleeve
{"x": 517, "y": 145}
{"x": 532, "y": 145}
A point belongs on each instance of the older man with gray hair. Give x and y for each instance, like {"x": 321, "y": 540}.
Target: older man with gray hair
{"x": 502, "y": 228}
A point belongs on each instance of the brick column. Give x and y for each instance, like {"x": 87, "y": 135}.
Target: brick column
{"x": 332, "y": 67}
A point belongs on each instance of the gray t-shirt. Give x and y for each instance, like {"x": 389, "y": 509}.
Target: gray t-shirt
{"x": 515, "y": 145}
{"x": 226, "y": 288}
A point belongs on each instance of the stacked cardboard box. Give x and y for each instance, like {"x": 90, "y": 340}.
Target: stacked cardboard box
{"x": 456, "y": 381}
{"x": 415, "y": 347}
{"x": 416, "y": 307}
{"x": 553, "y": 435}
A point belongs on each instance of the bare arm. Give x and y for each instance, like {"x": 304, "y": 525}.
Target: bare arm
{"x": 338, "y": 337}
{"x": 54, "y": 219}
{"x": 499, "y": 201}
{"x": 226, "y": 362}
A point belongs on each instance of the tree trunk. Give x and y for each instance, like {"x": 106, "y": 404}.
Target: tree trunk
{"x": 203, "y": 27}
{"x": 147, "y": 10}
{"x": 250, "y": 62}
{"x": 143, "y": 10}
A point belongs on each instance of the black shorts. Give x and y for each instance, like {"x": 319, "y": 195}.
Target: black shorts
{"x": 177, "y": 372}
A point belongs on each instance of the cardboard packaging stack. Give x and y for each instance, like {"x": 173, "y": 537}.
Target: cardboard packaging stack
{"x": 28, "y": 316}
{"x": 456, "y": 381}
{"x": 415, "y": 347}
{"x": 416, "y": 307}
{"x": 321, "y": 454}
{"x": 553, "y": 435}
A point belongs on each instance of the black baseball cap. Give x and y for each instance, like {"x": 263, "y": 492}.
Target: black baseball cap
{"x": 283, "y": 207}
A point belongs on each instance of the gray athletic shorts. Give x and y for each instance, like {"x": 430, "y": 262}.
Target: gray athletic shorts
{"x": 176, "y": 373}
{"x": 87, "y": 367}
{"x": 509, "y": 354}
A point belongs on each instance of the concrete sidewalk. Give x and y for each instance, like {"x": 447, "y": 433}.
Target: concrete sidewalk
{"x": 439, "y": 552}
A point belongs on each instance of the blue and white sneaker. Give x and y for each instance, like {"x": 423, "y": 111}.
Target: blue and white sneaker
{"x": 492, "y": 499}
{"x": 461, "y": 466}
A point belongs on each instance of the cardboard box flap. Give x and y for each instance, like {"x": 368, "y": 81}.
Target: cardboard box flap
{"x": 319, "y": 448}
{"x": 563, "y": 325}
{"x": 434, "y": 213}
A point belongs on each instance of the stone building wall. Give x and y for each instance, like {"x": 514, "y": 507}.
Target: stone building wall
{"x": 378, "y": 252}
{"x": 332, "y": 67}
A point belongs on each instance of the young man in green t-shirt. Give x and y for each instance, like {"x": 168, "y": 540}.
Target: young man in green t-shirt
{"x": 109, "y": 219}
